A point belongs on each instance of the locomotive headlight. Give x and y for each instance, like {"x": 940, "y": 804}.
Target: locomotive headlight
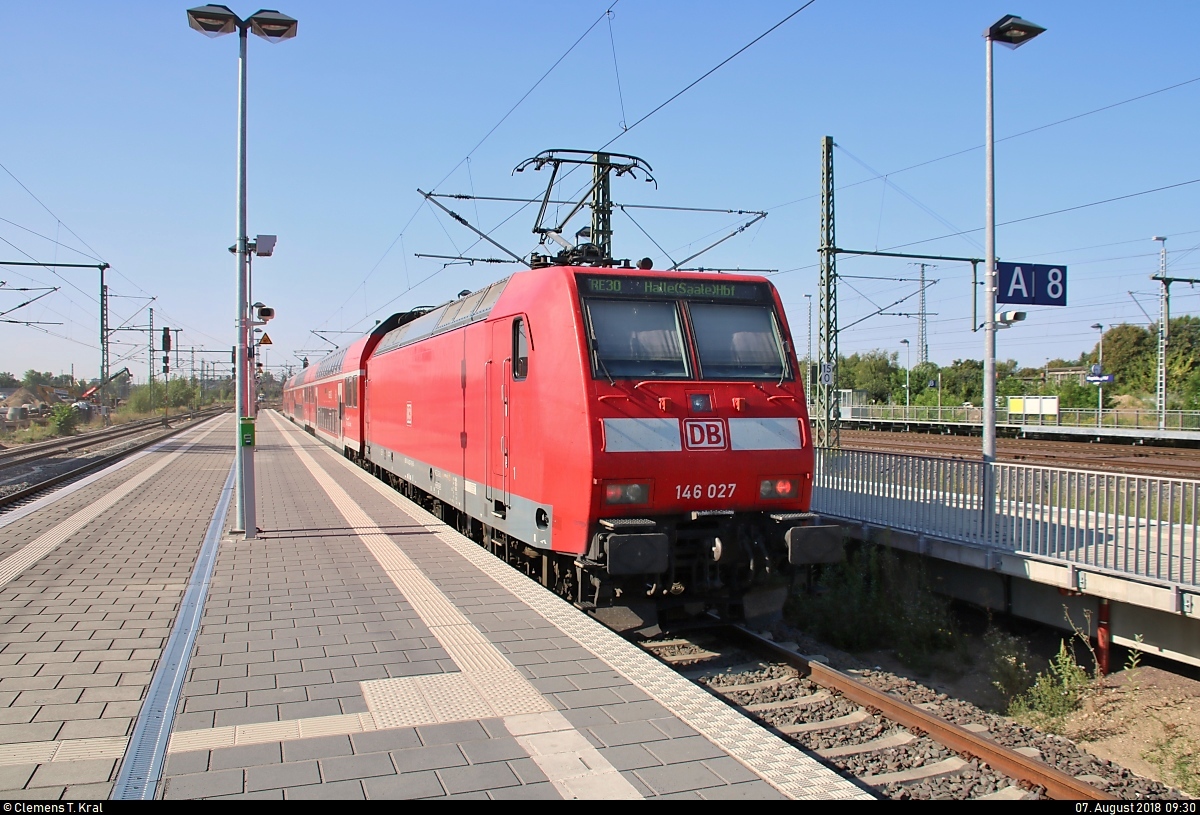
{"x": 779, "y": 488}
{"x": 626, "y": 493}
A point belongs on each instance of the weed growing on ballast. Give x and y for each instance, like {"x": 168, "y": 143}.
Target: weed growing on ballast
{"x": 64, "y": 419}
{"x": 1177, "y": 758}
{"x": 1059, "y": 691}
{"x": 1056, "y": 693}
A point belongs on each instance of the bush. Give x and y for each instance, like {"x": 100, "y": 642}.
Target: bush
{"x": 64, "y": 419}
{"x": 1008, "y": 663}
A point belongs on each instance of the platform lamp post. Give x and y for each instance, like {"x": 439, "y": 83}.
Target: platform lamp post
{"x": 215, "y": 21}
{"x": 1013, "y": 32}
{"x": 907, "y": 374}
{"x": 1100, "y": 372}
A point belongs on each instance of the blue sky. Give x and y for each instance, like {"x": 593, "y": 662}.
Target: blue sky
{"x": 120, "y": 125}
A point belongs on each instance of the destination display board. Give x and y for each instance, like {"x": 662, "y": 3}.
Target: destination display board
{"x": 674, "y": 288}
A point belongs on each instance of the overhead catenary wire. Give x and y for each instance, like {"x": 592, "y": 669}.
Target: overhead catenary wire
{"x": 674, "y": 96}
{"x": 479, "y": 144}
{"x": 1024, "y": 219}
{"x": 998, "y": 141}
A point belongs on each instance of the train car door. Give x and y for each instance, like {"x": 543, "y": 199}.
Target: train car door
{"x": 341, "y": 420}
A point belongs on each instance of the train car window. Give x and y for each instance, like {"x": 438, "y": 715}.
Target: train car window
{"x": 636, "y": 339}
{"x": 737, "y": 341}
{"x": 520, "y": 355}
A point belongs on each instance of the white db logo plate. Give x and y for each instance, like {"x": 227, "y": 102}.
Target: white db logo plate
{"x": 705, "y": 434}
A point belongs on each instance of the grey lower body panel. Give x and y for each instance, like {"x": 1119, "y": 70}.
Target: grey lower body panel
{"x": 520, "y": 518}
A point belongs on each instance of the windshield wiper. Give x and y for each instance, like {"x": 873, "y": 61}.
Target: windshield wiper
{"x": 600, "y": 359}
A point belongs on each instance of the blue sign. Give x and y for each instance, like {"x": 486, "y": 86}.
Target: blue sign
{"x": 1101, "y": 380}
{"x": 1032, "y": 284}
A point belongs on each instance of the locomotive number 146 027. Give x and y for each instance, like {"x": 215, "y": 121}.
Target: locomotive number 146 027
{"x": 694, "y": 491}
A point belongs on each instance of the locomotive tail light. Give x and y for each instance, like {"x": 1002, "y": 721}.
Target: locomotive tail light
{"x": 626, "y": 493}
{"x": 779, "y": 488}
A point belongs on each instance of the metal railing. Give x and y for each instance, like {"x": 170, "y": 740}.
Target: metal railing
{"x": 1135, "y": 525}
{"x": 1186, "y": 420}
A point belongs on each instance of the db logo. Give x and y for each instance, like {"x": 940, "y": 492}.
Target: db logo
{"x": 704, "y": 434}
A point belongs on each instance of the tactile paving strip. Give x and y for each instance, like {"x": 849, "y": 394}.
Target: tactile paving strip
{"x": 41, "y": 752}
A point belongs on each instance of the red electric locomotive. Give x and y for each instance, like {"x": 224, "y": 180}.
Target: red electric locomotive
{"x": 635, "y": 439}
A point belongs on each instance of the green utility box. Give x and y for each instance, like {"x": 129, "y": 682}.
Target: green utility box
{"x": 246, "y": 432}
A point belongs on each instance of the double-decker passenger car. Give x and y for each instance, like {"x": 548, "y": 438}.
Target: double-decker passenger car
{"x": 628, "y": 436}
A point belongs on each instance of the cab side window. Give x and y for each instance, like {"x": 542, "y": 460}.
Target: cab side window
{"x": 520, "y": 353}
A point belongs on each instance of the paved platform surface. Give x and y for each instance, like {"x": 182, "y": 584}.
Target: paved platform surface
{"x": 90, "y": 583}
{"x": 358, "y": 648}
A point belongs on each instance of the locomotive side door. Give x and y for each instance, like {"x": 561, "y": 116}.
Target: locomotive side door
{"x": 499, "y": 392}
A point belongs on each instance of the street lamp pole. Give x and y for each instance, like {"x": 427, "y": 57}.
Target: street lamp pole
{"x": 215, "y": 21}
{"x": 907, "y": 373}
{"x": 1100, "y": 372}
{"x": 246, "y": 504}
{"x": 1012, "y": 31}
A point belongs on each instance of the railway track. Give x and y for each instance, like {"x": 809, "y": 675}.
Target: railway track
{"x": 36, "y": 451}
{"x": 1150, "y": 461}
{"x": 23, "y": 487}
{"x": 891, "y": 735}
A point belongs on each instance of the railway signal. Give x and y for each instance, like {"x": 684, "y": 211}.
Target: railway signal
{"x": 166, "y": 348}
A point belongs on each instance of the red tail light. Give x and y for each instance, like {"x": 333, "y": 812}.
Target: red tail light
{"x": 779, "y": 488}
{"x": 626, "y": 493}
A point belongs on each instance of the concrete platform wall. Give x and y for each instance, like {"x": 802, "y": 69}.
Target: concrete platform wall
{"x": 1168, "y": 620}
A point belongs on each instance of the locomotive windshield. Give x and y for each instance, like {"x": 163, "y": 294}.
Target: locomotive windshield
{"x": 637, "y": 339}
{"x": 737, "y": 341}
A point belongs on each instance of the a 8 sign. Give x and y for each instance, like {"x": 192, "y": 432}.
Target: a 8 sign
{"x": 1031, "y": 284}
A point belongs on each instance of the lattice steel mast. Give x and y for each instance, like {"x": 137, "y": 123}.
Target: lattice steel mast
{"x": 827, "y": 430}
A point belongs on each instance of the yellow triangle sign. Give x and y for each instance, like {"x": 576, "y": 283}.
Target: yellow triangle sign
{"x": 266, "y": 340}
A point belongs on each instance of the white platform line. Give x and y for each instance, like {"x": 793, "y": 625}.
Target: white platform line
{"x": 487, "y": 678}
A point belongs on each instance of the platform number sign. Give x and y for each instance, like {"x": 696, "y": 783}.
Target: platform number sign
{"x": 1032, "y": 284}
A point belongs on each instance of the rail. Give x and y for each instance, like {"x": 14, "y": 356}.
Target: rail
{"x": 1057, "y": 784}
{"x": 1123, "y": 419}
{"x": 1125, "y": 524}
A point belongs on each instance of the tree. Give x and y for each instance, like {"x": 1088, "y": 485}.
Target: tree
{"x": 1073, "y": 395}
{"x": 33, "y": 378}
{"x": 1183, "y": 347}
{"x": 873, "y": 372}
{"x": 1130, "y": 354}
{"x": 7, "y": 380}
{"x": 963, "y": 382}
